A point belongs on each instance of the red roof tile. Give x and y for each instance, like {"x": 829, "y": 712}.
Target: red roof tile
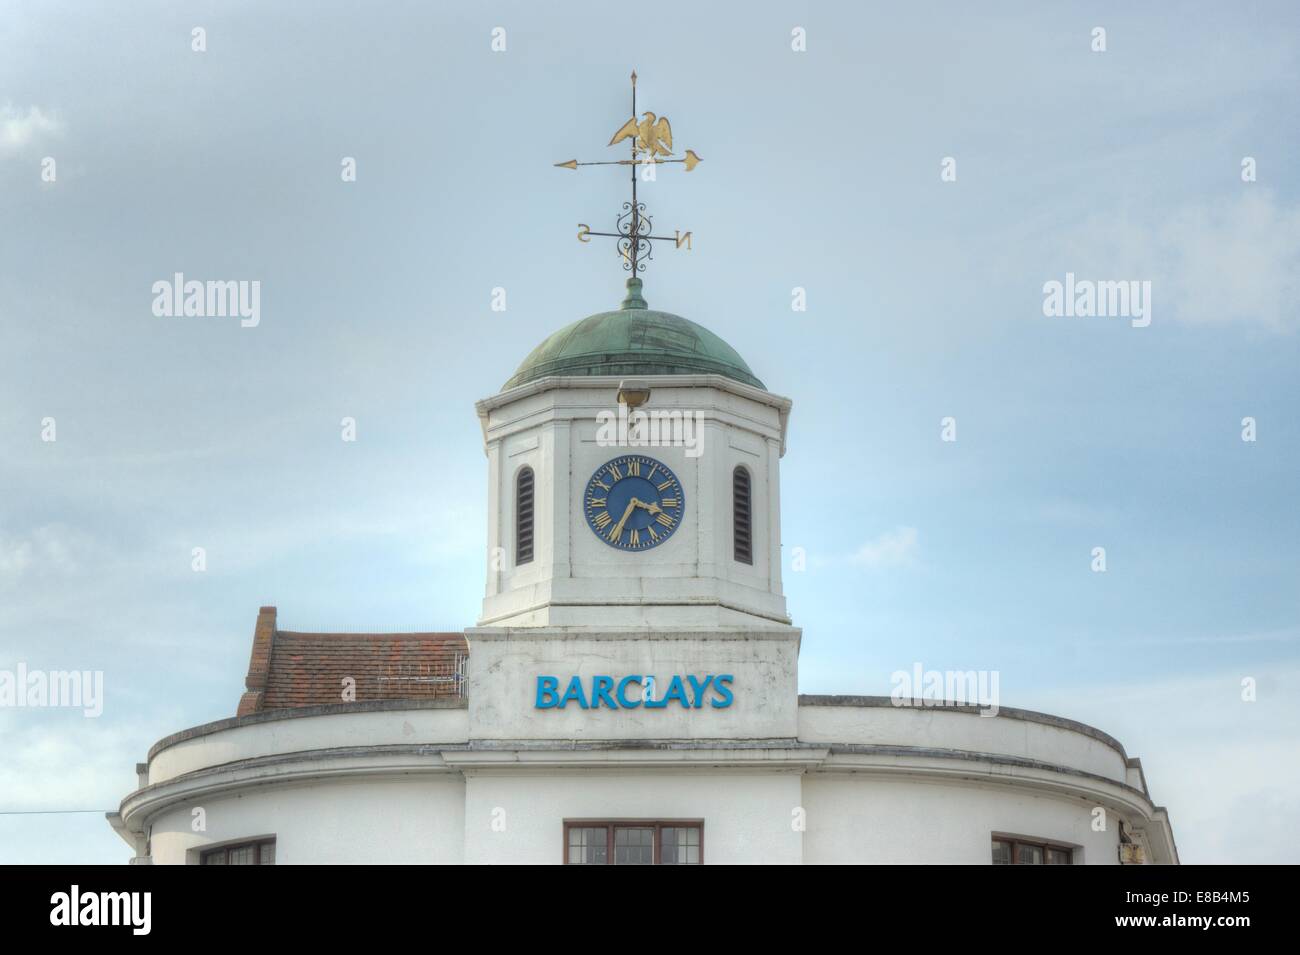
{"x": 289, "y": 669}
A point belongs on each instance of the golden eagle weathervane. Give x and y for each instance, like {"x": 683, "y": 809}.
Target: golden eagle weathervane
{"x": 652, "y": 144}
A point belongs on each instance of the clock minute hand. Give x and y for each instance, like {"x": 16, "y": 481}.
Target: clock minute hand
{"x": 618, "y": 528}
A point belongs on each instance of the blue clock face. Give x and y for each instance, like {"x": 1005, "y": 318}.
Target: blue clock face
{"x": 634, "y": 502}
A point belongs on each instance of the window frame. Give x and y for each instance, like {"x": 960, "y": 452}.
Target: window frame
{"x": 257, "y": 845}
{"x": 748, "y": 477}
{"x": 609, "y": 825}
{"x": 532, "y": 515}
{"x": 1032, "y": 842}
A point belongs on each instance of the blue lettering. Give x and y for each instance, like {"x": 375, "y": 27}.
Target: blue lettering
{"x": 698, "y": 688}
{"x": 600, "y": 687}
{"x": 688, "y": 691}
{"x": 574, "y": 692}
{"x": 546, "y": 687}
{"x": 676, "y": 691}
{"x": 623, "y": 684}
{"x": 722, "y": 685}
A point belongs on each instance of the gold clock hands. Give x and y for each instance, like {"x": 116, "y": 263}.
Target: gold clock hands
{"x": 618, "y": 528}
{"x": 652, "y": 508}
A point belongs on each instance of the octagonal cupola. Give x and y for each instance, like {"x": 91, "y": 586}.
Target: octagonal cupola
{"x": 633, "y": 475}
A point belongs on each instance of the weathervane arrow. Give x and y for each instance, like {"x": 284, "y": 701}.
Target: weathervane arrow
{"x": 690, "y": 159}
{"x": 652, "y": 143}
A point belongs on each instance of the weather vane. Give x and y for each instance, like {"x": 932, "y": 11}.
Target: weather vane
{"x": 652, "y": 144}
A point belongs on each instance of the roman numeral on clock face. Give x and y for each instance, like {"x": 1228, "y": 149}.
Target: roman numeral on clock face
{"x": 602, "y": 519}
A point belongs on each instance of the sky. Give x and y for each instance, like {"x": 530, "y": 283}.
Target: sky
{"x": 823, "y": 171}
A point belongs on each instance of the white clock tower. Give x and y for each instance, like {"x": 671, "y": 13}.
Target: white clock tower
{"x": 657, "y": 387}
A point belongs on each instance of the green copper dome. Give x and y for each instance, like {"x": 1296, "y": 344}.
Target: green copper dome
{"x": 633, "y": 341}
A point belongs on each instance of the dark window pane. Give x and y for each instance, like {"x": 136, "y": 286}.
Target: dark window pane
{"x": 681, "y": 845}
{"x": 1029, "y": 855}
{"x": 240, "y": 855}
{"x": 250, "y": 853}
{"x": 588, "y": 846}
{"x": 1001, "y": 852}
{"x": 1058, "y": 857}
{"x": 634, "y": 846}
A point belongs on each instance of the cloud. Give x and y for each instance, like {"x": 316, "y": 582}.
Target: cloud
{"x": 896, "y": 548}
{"x": 19, "y": 130}
{"x": 1227, "y": 261}
{"x": 54, "y": 549}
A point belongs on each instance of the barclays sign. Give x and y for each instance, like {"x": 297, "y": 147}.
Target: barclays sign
{"x": 633, "y": 692}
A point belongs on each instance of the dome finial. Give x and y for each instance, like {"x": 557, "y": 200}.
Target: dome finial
{"x": 634, "y": 299}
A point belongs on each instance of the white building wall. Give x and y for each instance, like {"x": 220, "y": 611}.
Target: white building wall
{"x": 867, "y": 819}
{"x": 400, "y": 820}
{"x": 872, "y": 783}
{"x": 939, "y": 728}
{"x": 250, "y": 739}
{"x": 747, "y": 816}
{"x": 518, "y": 818}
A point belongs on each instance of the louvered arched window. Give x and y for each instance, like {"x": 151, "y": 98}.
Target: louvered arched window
{"x": 742, "y": 515}
{"x": 524, "y": 516}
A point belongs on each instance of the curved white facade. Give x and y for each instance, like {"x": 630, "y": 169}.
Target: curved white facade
{"x": 864, "y": 782}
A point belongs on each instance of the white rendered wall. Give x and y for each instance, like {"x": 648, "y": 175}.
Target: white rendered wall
{"x": 503, "y": 667}
{"x": 415, "y": 820}
{"x": 747, "y": 816}
{"x": 867, "y": 819}
{"x": 877, "y": 783}
{"x": 940, "y": 728}
{"x": 300, "y": 734}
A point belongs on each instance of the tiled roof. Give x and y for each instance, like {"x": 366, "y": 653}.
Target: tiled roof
{"x": 289, "y": 669}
